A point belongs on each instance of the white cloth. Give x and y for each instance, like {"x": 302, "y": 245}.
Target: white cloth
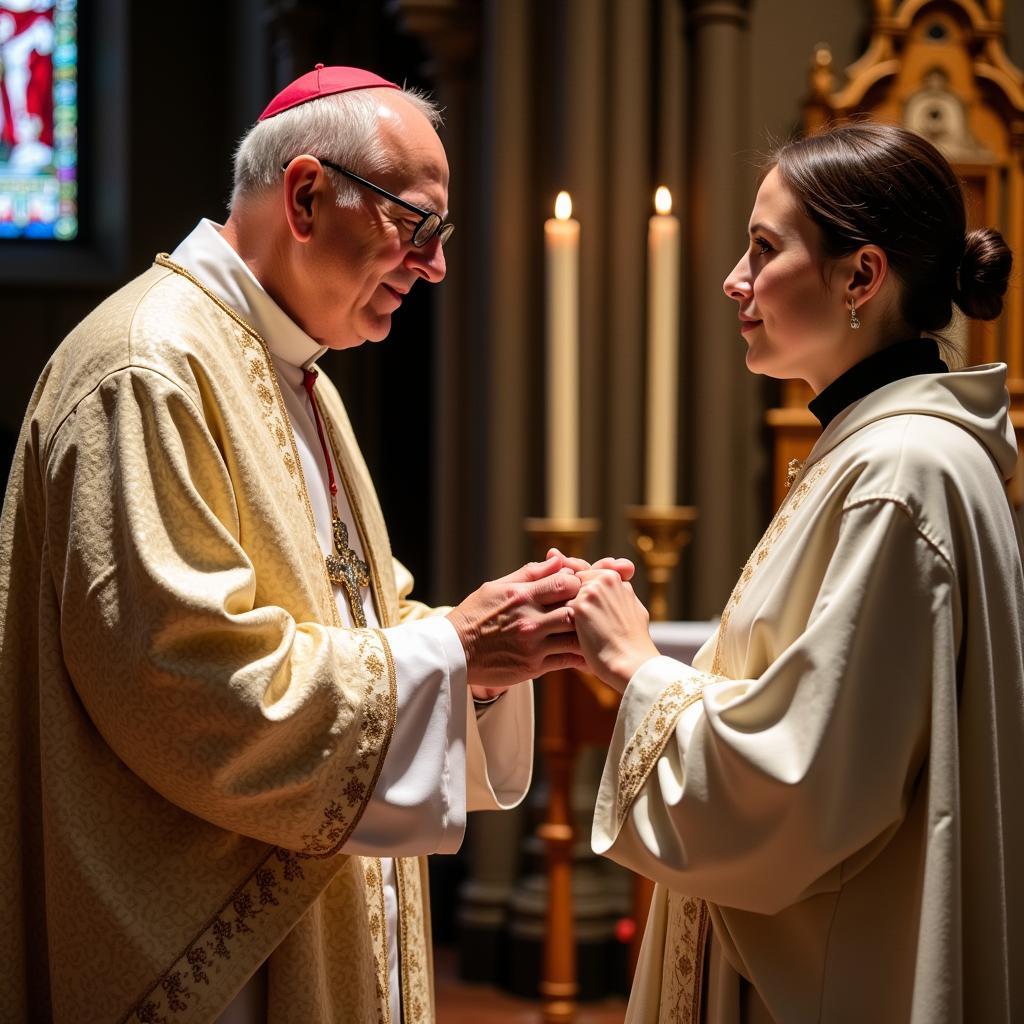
{"x": 419, "y": 804}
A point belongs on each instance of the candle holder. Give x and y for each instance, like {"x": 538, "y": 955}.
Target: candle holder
{"x": 659, "y": 534}
{"x": 570, "y": 535}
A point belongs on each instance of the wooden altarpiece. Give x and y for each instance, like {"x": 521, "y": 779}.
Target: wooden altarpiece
{"x": 940, "y": 68}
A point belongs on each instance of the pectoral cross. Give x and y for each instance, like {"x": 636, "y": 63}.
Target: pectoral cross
{"x": 348, "y": 571}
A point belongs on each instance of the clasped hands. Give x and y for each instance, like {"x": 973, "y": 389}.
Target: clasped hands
{"x": 557, "y": 614}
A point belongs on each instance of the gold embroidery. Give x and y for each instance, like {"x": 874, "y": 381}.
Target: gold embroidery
{"x": 779, "y": 522}
{"x": 417, "y": 984}
{"x": 793, "y": 471}
{"x": 271, "y": 881}
{"x": 375, "y": 900}
{"x": 173, "y": 992}
{"x": 685, "y": 942}
{"x": 646, "y": 744}
{"x": 380, "y": 604}
{"x": 379, "y": 710}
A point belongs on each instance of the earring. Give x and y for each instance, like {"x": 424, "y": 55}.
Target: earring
{"x": 854, "y": 319}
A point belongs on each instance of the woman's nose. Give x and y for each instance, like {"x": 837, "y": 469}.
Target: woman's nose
{"x": 737, "y": 285}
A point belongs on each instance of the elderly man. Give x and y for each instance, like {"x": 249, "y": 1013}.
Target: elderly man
{"x": 227, "y": 735}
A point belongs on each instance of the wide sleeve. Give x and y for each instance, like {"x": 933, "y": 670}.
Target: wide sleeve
{"x": 498, "y": 736}
{"x": 219, "y": 699}
{"x": 446, "y": 756}
{"x": 754, "y": 793}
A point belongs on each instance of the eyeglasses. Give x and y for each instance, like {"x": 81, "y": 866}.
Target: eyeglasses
{"x": 430, "y": 223}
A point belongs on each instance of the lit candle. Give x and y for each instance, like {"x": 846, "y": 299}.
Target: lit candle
{"x": 562, "y": 251}
{"x": 662, "y": 350}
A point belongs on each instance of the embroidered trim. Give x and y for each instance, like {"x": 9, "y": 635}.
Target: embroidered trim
{"x": 375, "y": 730}
{"x": 417, "y": 983}
{"x": 646, "y": 744}
{"x": 374, "y": 877}
{"x": 794, "y": 499}
{"x": 686, "y": 939}
{"x": 383, "y": 613}
{"x": 172, "y": 994}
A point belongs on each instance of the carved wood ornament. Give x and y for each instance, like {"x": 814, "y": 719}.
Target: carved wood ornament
{"x": 940, "y": 68}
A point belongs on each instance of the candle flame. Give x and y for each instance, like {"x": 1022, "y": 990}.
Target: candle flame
{"x": 663, "y": 200}
{"x": 563, "y": 206}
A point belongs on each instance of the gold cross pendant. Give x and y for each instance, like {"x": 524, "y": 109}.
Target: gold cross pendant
{"x": 347, "y": 570}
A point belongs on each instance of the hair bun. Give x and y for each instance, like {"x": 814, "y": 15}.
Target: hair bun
{"x": 984, "y": 274}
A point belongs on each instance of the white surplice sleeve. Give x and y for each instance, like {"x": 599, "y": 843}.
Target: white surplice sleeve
{"x": 756, "y": 792}
{"x": 445, "y": 757}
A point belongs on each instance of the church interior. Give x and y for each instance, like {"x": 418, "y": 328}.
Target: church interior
{"x": 480, "y": 454}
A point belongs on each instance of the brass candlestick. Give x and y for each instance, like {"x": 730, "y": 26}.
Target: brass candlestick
{"x": 570, "y": 536}
{"x": 659, "y": 534}
{"x": 558, "y": 986}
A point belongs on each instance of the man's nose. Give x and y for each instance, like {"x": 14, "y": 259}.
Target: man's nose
{"x": 428, "y": 261}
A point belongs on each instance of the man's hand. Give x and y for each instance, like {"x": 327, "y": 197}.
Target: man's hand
{"x": 518, "y": 627}
{"x": 611, "y": 625}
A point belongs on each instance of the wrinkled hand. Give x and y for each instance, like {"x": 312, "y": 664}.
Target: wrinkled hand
{"x": 611, "y": 625}
{"x": 519, "y": 627}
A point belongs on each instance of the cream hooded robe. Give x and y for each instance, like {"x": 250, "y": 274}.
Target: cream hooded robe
{"x": 835, "y": 785}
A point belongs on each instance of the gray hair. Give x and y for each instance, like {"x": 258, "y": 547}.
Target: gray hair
{"x": 343, "y": 128}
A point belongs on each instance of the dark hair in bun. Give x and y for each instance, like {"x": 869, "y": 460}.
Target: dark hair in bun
{"x": 878, "y": 184}
{"x": 984, "y": 272}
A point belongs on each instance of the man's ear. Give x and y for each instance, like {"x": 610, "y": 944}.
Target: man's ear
{"x": 866, "y": 271}
{"x": 304, "y": 177}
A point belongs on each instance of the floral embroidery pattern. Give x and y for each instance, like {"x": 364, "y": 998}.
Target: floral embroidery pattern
{"x": 684, "y": 960}
{"x": 379, "y": 710}
{"x": 646, "y": 744}
{"x": 776, "y": 527}
{"x": 172, "y": 994}
{"x": 417, "y": 983}
{"x": 374, "y": 878}
{"x": 273, "y": 880}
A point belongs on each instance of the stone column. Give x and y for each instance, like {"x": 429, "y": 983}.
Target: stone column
{"x": 481, "y": 377}
{"x": 506, "y": 416}
{"x": 724, "y": 399}
{"x": 450, "y": 29}
{"x": 628, "y": 207}
{"x": 582, "y": 133}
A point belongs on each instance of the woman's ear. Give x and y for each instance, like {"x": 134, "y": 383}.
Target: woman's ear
{"x": 866, "y": 271}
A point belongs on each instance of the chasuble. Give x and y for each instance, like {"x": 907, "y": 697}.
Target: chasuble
{"x": 829, "y": 797}
{"x": 195, "y": 743}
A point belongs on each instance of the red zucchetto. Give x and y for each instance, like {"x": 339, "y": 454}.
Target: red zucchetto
{"x": 323, "y": 81}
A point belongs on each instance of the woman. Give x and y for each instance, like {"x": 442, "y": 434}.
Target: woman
{"x": 830, "y": 798}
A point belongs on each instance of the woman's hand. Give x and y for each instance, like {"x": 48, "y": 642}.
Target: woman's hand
{"x": 611, "y": 624}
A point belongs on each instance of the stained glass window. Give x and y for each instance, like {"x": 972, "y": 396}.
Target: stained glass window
{"x": 38, "y": 119}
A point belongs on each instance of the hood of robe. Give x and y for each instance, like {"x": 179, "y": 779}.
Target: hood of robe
{"x": 974, "y": 398}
